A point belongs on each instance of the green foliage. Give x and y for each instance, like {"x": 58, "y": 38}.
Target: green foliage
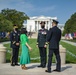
{"x": 9, "y": 17}
{"x": 70, "y": 25}
{"x": 5, "y": 25}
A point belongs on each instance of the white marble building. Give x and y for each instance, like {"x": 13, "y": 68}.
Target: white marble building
{"x": 61, "y": 26}
{"x": 33, "y": 24}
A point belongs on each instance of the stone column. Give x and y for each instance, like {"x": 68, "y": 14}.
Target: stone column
{"x": 37, "y": 26}
{"x": 47, "y": 24}
{"x": 2, "y": 54}
{"x": 50, "y": 23}
{"x": 62, "y": 54}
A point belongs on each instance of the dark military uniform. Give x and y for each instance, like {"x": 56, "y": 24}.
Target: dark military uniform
{"x": 53, "y": 37}
{"x": 41, "y": 41}
{"x": 14, "y": 38}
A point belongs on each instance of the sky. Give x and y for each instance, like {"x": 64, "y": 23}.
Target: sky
{"x": 62, "y": 9}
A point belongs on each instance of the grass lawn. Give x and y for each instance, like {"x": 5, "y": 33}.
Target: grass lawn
{"x": 35, "y": 52}
{"x": 72, "y": 49}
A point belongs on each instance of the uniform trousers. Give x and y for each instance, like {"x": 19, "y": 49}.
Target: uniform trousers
{"x": 58, "y": 60}
{"x": 43, "y": 55}
{"x": 15, "y": 53}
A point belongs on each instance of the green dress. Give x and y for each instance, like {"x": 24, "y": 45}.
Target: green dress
{"x": 24, "y": 58}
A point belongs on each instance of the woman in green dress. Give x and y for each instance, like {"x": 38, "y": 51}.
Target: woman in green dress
{"x": 25, "y": 57}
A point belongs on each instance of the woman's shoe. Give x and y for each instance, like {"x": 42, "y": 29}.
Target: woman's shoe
{"x": 25, "y": 68}
{"x": 22, "y": 66}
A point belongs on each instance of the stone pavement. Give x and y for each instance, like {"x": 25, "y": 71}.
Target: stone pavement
{"x": 6, "y": 69}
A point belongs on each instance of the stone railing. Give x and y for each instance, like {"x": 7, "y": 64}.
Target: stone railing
{"x": 62, "y": 54}
{"x": 2, "y": 54}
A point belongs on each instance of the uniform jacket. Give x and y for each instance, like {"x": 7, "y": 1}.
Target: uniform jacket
{"x": 53, "y": 37}
{"x": 14, "y": 38}
{"x": 41, "y": 40}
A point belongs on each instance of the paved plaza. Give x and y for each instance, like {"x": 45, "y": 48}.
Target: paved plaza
{"x": 6, "y": 69}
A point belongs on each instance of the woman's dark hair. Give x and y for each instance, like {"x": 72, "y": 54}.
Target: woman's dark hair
{"x": 24, "y": 31}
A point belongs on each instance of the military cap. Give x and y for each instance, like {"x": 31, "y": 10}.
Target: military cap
{"x": 55, "y": 21}
{"x": 15, "y": 26}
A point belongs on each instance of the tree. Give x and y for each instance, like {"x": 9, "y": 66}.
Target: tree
{"x": 70, "y": 25}
{"x": 14, "y": 16}
{"x": 5, "y": 25}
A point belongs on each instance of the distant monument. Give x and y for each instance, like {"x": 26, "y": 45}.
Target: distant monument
{"x": 33, "y": 24}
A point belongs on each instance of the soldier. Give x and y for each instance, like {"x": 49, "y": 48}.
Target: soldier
{"x": 53, "y": 37}
{"x": 42, "y": 44}
{"x": 15, "y": 42}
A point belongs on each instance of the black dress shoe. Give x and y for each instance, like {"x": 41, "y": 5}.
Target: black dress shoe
{"x": 48, "y": 71}
{"x": 12, "y": 64}
{"x": 43, "y": 66}
{"x": 40, "y": 66}
{"x": 57, "y": 70}
{"x": 17, "y": 64}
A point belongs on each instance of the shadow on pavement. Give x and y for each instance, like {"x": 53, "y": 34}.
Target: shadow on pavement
{"x": 64, "y": 68}
{"x": 31, "y": 67}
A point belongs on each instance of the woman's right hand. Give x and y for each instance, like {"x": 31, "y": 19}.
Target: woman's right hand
{"x": 30, "y": 48}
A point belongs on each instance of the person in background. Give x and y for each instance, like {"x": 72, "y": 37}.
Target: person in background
{"x": 53, "y": 37}
{"x": 15, "y": 44}
{"x": 42, "y": 44}
{"x": 25, "y": 57}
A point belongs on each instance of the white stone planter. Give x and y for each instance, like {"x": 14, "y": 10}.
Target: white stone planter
{"x": 2, "y": 54}
{"x": 62, "y": 54}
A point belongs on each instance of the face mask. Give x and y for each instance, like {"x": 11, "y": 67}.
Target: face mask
{"x": 42, "y": 26}
{"x": 16, "y": 29}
